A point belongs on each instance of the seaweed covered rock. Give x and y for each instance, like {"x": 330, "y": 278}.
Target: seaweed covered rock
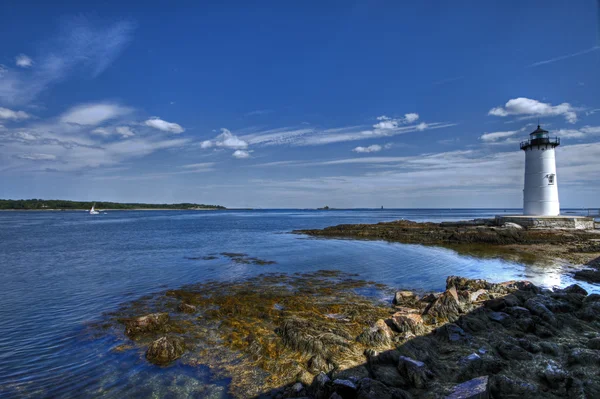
{"x": 477, "y": 388}
{"x": 414, "y": 371}
{"x": 165, "y": 349}
{"x": 379, "y": 335}
{"x": 443, "y": 309}
{"x": 145, "y": 324}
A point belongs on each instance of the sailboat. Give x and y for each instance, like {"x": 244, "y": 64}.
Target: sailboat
{"x": 93, "y": 211}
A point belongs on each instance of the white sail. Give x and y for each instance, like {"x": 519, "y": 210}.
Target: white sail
{"x": 93, "y": 211}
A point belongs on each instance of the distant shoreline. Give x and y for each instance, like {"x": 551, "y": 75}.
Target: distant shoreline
{"x": 129, "y": 209}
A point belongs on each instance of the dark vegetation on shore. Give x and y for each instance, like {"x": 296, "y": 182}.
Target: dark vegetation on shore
{"x": 318, "y": 335}
{"x": 40, "y": 204}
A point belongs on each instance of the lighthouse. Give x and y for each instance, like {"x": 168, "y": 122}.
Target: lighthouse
{"x": 540, "y": 195}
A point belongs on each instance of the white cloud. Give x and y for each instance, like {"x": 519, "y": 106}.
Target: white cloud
{"x": 94, "y": 114}
{"x": 79, "y": 46}
{"x": 386, "y": 122}
{"x": 564, "y": 57}
{"x": 225, "y": 140}
{"x": 102, "y": 131}
{"x": 410, "y": 118}
{"x": 583, "y": 132}
{"x": 371, "y": 148}
{"x": 422, "y": 126}
{"x": 241, "y": 154}
{"x": 165, "y": 126}
{"x": 528, "y": 107}
{"x": 23, "y": 61}
{"x": 591, "y": 129}
{"x": 37, "y": 157}
{"x": 124, "y": 131}
{"x": 496, "y": 136}
{"x": 202, "y": 165}
{"x": 6, "y": 113}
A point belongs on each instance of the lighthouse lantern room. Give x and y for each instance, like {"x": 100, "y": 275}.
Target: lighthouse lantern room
{"x": 540, "y": 195}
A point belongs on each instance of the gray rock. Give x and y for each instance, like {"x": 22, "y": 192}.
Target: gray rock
{"x": 389, "y": 375}
{"x": 575, "y": 289}
{"x": 335, "y": 395}
{"x": 583, "y": 357}
{"x": 550, "y": 348}
{"x": 372, "y": 389}
{"x": 518, "y": 312}
{"x": 321, "y": 387}
{"x": 536, "y": 307}
{"x": 499, "y": 317}
{"x": 414, "y": 371}
{"x": 445, "y": 308}
{"x": 505, "y": 387}
{"x": 404, "y": 296}
{"x": 144, "y": 324}
{"x": 513, "y": 352}
{"x": 408, "y": 323}
{"x": 451, "y": 333}
{"x": 575, "y": 389}
{"x": 165, "y": 349}
{"x": 496, "y": 304}
{"x": 594, "y": 343}
{"x": 554, "y": 374}
{"x": 477, "y": 388}
{"x": 344, "y": 388}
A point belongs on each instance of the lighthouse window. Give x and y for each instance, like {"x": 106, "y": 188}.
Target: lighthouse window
{"x": 550, "y": 179}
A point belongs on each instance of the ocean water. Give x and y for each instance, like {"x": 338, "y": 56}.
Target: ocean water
{"x": 61, "y": 271}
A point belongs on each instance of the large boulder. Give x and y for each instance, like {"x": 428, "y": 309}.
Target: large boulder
{"x": 414, "y": 371}
{"x": 513, "y": 352}
{"x": 154, "y": 322}
{"x": 380, "y": 335}
{"x": 408, "y": 323}
{"x": 538, "y": 308}
{"x": 165, "y": 349}
{"x": 477, "y": 388}
{"x": 443, "y": 309}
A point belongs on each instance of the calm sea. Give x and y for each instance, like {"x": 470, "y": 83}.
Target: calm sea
{"x": 60, "y": 271}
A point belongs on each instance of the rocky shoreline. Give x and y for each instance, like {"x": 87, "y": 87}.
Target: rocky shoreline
{"x": 483, "y": 238}
{"x": 319, "y": 336}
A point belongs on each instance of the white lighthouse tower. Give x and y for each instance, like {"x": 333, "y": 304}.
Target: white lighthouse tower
{"x": 540, "y": 196}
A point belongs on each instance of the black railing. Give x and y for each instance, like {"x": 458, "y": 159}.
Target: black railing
{"x": 540, "y": 141}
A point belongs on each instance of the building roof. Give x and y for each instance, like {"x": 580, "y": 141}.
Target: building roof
{"x": 538, "y": 131}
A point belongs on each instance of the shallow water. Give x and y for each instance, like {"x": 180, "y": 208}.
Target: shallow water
{"x": 60, "y": 271}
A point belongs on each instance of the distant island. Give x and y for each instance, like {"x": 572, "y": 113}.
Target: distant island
{"x": 40, "y": 204}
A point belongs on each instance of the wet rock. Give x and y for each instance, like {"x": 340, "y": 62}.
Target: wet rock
{"x": 445, "y": 308}
{"x": 536, "y": 307}
{"x": 430, "y": 298}
{"x": 389, "y": 375}
{"x": 592, "y": 298}
{"x": 575, "y": 389}
{"x": 554, "y": 374}
{"x": 408, "y": 323}
{"x": 529, "y": 345}
{"x": 575, "y": 289}
{"x": 186, "y": 308}
{"x": 345, "y": 388}
{"x": 513, "y": 352}
{"x": 542, "y": 331}
{"x": 591, "y": 276}
{"x": 518, "y": 312}
{"x": 414, "y": 371}
{"x": 165, "y": 349}
{"x": 451, "y": 333}
{"x": 499, "y": 317}
{"x": 466, "y": 284}
{"x": 402, "y": 297}
{"x": 353, "y": 374}
{"x": 584, "y": 357}
{"x": 144, "y": 324}
{"x": 496, "y": 304}
{"x": 550, "y": 348}
{"x": 477, "y": 388}
{"x": 505, "y": 387}
{"x": 372, "y": 389}
{"x": 298, "y": 390}
{"x": 335, "y": 395}
{"x": 321, "y": 387}
{"x": 590, "y": 311}
{"x": 377, "y": 336}
{"x": 594, "y": 343}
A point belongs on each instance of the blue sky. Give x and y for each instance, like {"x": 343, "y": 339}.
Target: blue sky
{"x": 304, "y": 104}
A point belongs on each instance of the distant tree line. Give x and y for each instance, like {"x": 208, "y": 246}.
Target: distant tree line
{"x": 62, "y": 204}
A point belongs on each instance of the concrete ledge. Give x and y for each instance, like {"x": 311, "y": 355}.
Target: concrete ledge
{"x": 548, "y": 222}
